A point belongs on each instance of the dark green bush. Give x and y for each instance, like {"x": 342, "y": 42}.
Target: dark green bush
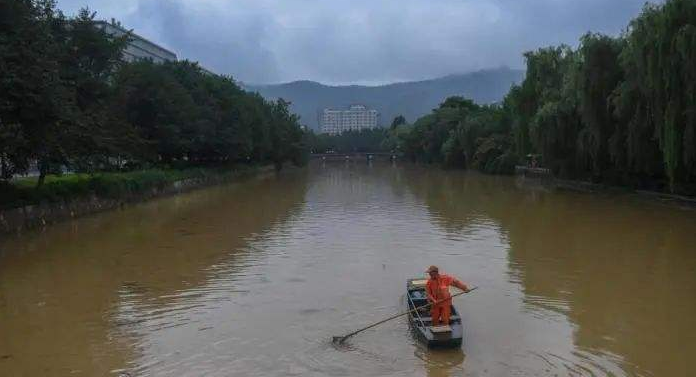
{"x": 67, "y": 187}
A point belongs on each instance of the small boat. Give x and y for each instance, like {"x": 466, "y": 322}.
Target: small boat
{"x": 421, "y": 322}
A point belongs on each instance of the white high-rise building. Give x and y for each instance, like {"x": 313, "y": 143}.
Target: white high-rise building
{"x": 355, "y": 118}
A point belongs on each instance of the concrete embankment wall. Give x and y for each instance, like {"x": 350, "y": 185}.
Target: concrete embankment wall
{"x": 16, "y": 220}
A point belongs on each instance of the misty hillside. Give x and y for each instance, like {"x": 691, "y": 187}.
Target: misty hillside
{"x": 411, "y": 99}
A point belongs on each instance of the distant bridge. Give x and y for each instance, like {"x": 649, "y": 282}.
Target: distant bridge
{"x": 354, "y": 156}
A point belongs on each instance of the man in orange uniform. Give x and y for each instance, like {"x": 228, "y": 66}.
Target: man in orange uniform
{"x": 437, "y": 289}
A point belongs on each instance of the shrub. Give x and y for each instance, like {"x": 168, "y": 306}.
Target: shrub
{"x": 22, "y": 192}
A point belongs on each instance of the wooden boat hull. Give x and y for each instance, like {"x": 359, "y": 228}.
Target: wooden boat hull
{"x": 421, "y": 321}
{"x": 432, "y": 340}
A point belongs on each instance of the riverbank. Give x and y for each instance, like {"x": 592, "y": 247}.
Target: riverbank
{"x": 546, "y": 177}
{"x": 23, "y": 207}
{"x": 594, "y": 188}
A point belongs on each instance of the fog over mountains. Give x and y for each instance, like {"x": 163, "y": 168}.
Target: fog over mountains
{"x": 410, "y": 99}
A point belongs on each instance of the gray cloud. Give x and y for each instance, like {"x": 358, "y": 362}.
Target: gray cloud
{"x": 360, "y": 41}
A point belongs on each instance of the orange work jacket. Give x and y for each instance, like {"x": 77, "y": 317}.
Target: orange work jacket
{"x": 438, "y": 289}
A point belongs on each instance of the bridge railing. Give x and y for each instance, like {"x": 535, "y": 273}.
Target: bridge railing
{"x": 353, "y": 155}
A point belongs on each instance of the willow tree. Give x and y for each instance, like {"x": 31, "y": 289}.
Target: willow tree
{"x": 660, "y": 58}
{"x": 542, "y": 84}
{"x": 597, "y": 74}
{"x": 541, "y": 89}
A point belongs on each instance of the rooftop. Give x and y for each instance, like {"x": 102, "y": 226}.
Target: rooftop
{"x": 124, "y": 30}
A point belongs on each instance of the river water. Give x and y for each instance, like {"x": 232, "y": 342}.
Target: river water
{"x": 254, "y": 278}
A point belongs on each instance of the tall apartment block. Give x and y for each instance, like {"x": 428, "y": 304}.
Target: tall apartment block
{"x": 355, "y": 118}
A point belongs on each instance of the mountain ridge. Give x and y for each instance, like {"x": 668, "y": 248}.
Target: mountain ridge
{"x": 411, "y": 99}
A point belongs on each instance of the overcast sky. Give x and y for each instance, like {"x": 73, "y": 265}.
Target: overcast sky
{"x": 359, "y": 41}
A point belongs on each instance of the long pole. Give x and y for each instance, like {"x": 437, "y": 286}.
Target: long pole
{"x": 341, "y": 339}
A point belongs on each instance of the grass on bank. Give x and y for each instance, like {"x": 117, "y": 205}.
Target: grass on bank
{"x": 62, "y": 188}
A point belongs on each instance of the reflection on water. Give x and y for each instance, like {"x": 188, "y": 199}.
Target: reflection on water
{"x": 72, "y": 294}
{"x": 441, "y": 363}
{"x": 255, "y": 278}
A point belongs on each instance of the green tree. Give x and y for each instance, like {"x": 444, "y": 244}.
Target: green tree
{"x": 660, "y": 89}
{"x": 597, "y": 75}
{"x": 38, "y": 105}
{"x": 398, "y": 120}
{"x": 92, "y": 58}
{"x": 160, "y": 109}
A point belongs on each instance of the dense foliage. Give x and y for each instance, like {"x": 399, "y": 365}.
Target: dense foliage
{"x": 614, "y": 110}
{"x": 458, "y": 133}
{"x": 124, "y": 185}
{"x": 68, "y": 101}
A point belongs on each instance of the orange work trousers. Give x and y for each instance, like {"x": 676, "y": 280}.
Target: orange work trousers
{"x": 441, "y": 313}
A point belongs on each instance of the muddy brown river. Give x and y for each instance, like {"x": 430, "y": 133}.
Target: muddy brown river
{"x": 254, "y": 278}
